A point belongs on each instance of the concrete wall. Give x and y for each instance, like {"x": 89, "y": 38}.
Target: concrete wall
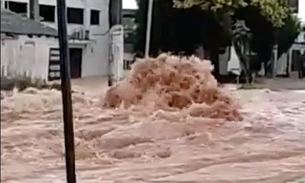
{"x": 26, "y": 57}
{"x": 95, "y": 51}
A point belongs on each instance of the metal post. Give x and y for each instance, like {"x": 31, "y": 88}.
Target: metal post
{"x": 148, "y": 27}
{"x": 66, "y": 91}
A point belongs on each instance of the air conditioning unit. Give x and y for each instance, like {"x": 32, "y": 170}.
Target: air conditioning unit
{"x": 80, "y": 34}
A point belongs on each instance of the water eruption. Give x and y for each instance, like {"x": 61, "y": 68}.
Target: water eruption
{"x": 173, "y": 83}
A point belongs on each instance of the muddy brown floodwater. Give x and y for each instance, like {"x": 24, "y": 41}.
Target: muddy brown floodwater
{"x": 175, "y": 136}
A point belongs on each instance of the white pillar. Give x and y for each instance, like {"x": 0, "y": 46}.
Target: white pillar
{"x": 3, "y": 3}
{"x": 86, "y": 15}
{"x": 290, "y": 60}
{"x": 117, "y": 52}
{"x": 274, "y": 61}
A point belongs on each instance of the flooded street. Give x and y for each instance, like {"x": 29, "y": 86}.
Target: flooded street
{"x": 113, "y": 145}
{"x": 154, "y": 146}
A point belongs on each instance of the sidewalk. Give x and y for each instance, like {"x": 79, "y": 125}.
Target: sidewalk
{"x": 284, "y": 84}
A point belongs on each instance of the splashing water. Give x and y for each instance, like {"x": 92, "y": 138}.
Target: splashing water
{"x": 172, "y": 83}
{"x": 166, "y": 122}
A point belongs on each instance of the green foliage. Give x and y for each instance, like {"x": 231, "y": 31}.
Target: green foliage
{"x": 181, "y": 25}
{"x": 287, "y": 34}
{"x": 273, "y": 10}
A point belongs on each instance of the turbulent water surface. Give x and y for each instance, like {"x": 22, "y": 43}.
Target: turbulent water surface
{"x": 195, "y": 134}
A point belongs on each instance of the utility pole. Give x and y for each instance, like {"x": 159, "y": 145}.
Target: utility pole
{"x": 115, "y": 12}
{"x": 148, "y": 27}
{"x": 66, "y": 91}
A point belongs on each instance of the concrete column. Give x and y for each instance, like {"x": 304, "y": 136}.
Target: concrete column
{"x": 3, "y": 3}
{"x": 274, "y": 61}
{"x": 86, "y": 15}
{"x": 290, "y": 60}
{"x": 34, "y": 10}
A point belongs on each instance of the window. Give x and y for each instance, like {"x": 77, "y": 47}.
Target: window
{"x": 95, "y": 17}
{"x": 17, "y": 7}
{"x": 293, "y": 5}
{"x": 75, "y": 16}
{"x": 47, "y": 13}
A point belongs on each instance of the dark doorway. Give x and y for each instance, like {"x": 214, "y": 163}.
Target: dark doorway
{"x": 296, "y": 57}
{"x": 76, "y": 55}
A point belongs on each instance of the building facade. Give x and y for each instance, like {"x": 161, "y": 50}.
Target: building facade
{"x": 290, "y": 61}
{"x": 87, "y": 29}
{"x": 25, "y": 46}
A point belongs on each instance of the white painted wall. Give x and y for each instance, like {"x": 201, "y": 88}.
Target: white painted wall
{"x": 26, "y": 56}
{"x": 130, "y": 5}
{"x": 282, "y": 64}
{"x": 301, "y": 13}
{"x": 95, "y": 52}
{"x": 301, "y": 37}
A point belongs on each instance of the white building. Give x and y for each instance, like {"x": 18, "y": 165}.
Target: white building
{"x": 289, "y": 62}
{"x": 25, "y": 47}
{"x": 87, "y": 28}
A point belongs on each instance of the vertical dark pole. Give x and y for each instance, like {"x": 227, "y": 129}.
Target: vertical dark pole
{"x": 115, "y": 12}
{"x": 66, "y": 91}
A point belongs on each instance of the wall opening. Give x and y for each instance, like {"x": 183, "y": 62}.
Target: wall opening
{"x": 76, "y": 55}
{"x": 17, "y": 7}
{"x": 95, "y": 17}
{"x": 293, "y": 5}
{"x": 47, "y": 13}
{"x": 75, "y": 15}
